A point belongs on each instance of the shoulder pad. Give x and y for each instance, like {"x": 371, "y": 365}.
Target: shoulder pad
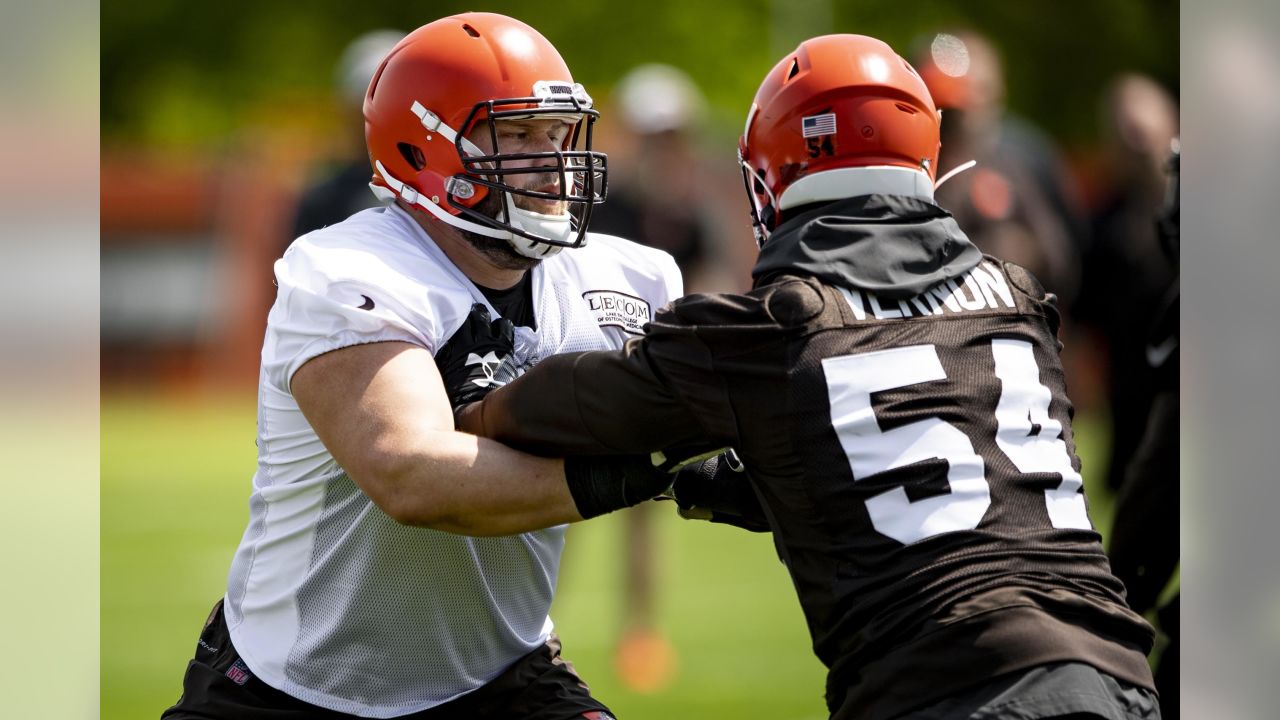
{"x": 1024, "y": 281}
{"x": 794, "y": 302}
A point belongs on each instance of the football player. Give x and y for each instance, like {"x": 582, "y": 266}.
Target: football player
{"x": 1144, "y": 531}
{"x": 899, "y": 405}
{"x": 391, "y": 566}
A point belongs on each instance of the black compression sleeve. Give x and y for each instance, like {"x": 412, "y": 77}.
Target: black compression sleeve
{"x": 601, "y": 485}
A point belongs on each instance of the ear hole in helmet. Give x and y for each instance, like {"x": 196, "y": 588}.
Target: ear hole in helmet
{"x": 412, "y": 155}
{"x": 471, "y": 31}
{"x": 795, "y": 68}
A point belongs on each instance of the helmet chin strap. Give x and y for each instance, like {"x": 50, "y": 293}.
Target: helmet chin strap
{"x": 413, "y": 197}
{"x": 550, "y": 226}
{"x": 954, "y": 172}
{"x": 749, "y": 177}
{"x": 557, "y": 227}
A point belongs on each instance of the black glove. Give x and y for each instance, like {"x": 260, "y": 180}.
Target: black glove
{"x": 478, "y": 358}
{"x": 718, "y": 490}
{"x": 601, "y": 485}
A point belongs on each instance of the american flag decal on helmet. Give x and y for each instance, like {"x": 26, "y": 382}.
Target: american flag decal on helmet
{"x": 818, "y": 125}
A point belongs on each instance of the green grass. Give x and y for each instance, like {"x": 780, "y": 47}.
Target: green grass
{"x": 175, "y": 482}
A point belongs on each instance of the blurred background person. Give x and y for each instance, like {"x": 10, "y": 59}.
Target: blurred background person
{"x": 659, "y": 189}
{"x": 343, "y": 188}
{"x": 657, "y": 197}
{"x": 1017, "y": 203}
{"x": 1144, "y": 536}
{"x": 1126, "y": 273}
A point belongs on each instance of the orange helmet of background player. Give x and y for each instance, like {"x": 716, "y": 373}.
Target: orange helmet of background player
{"x": 962, "y": 71}
{"x": 944, "y": 67}
{"x": 841, "y": 116}
{"x": 463, "y": 73}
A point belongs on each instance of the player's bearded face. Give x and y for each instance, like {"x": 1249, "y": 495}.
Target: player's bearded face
{"x": 520, "y": 136}
{"x": 497, "y": 251}
{"x": 534, "y": 135}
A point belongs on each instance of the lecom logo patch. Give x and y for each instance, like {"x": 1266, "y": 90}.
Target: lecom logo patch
{"x": 616, "y": 309}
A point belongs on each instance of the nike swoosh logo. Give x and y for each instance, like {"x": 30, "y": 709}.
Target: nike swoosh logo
{"x": 1158, "y": 354}
{"x": 368, "y": 303}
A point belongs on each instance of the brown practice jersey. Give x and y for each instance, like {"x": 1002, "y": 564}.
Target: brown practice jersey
{"x": 914, "y": 458}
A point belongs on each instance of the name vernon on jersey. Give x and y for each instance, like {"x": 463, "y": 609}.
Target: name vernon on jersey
{"x": 982, "y": 288}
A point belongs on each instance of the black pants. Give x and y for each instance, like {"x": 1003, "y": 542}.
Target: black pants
{"x": 219, "y": 686}
{"x": 1061, "y": 691}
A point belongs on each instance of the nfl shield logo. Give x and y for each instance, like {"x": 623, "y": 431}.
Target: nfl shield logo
{"x": 238, "y": 672}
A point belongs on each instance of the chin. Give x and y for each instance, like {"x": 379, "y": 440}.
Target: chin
{"x": 499, "y": 252}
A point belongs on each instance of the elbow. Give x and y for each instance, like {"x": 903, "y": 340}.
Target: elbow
{"x": 412, "y": 511}
{"x": 405, "y": 512}
{"x": 395, "y": 488}
{"x": 427, "y": 482}
{"x": 389, "y": 482}
{"x": 436, "y": 516}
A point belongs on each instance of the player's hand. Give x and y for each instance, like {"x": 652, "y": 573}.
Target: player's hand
{"x": 478, "y": 358}
{"x": 718, "y": 490}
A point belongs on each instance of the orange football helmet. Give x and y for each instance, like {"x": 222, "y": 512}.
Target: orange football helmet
{"x": 469, "y": 71}
{"x": 841, "y": 116}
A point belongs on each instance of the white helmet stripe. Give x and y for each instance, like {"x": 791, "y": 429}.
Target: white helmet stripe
{"x": 433, "y": 123}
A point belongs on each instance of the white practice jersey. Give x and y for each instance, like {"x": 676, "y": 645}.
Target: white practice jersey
{"x": 328, "y": 598}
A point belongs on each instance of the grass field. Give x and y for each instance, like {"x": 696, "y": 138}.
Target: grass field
{"x": 175, "y": 479}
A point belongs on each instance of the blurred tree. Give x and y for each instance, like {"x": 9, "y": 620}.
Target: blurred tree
{"x": 190, "y": 74}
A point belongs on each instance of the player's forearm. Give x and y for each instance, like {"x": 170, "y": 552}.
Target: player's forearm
{"x": 538, "y": 413}
{"x": 594, "y": 403}
{"x": 381, "y": 410}
{"x": 462, "y": 484}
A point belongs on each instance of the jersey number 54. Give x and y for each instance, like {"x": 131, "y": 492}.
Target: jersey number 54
{"x": 1025, "y": 433}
